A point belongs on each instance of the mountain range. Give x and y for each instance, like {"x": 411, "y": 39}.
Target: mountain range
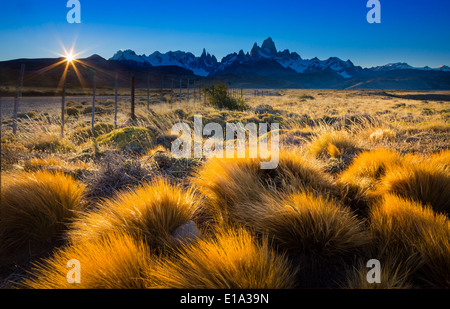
{"x": 262, "y": 60}
{"x": 262, "y": 67}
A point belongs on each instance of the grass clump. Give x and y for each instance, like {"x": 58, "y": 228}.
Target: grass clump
{"x": 333, "y": 144}
{"x": 308, "y": 224}
{"x": 233, "y": 259}
{"x": 82, "y": 135}
{"x": 48, "y": 143}
{"x": 151, "y": 212}
{"x": 72, "y": 111}
{"x": 413, "y": 233}
{"x": 358, "y": 183}
{"x": 229, "y": 182}
{"x": 131, "y": 139}
{"x": 116, "y": 261}
{"x": 35, "y": 210}
{"x": 424, "y": 182}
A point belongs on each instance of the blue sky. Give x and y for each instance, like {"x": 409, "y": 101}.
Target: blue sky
{"x": 413, "y": 31}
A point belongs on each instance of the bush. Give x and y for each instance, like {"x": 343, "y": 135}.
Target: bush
{"x": 36, "y": 209}
{"x": 117, "y": 261}
{"x": 131, "y": 139}
{"x": 151, "y": 213}
{"x": 231, "y": 260}
{"x": 219, "y": 98}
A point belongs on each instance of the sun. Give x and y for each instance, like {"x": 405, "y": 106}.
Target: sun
{"x": 70, "y": 58}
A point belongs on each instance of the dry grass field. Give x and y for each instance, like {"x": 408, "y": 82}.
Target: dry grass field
{"x": 363, "y": 174}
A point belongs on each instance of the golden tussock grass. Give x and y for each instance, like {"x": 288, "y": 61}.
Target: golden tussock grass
{"x": 53, "y": 163}
{"x": 333, "y": 144}
{"x": 36, "y": 208}
{"x": 393, "y": 276}
{"x": 232, "y": 259}
{"x": 229, "y": 182}
{"x": 424, "y": 181}
{"x": 415, "y": 234}
{"x": 151, "y": 212}
{"x": 442, "y": 158}
{"x": 359, "y": 181}
{"x": 305, "y": 223}
{"x": 116, "y": 261}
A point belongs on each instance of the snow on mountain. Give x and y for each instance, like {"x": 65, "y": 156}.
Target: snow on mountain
{"x": 201, "y": 66}
{"x": 405, "y": 66}
{"x": 207, "y": 64}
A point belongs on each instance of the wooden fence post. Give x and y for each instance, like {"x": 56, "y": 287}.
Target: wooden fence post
{"x": 171, "y": 96}
{"x": 63, "y": 108}
{"x": 18, "y": 98}
{"x": 180, "y": 92}
{"x": 148, "y": 92}
{"x": 133, "y": 116}
{"x": 93, "y": 104}
{"x": 115, "y": 100}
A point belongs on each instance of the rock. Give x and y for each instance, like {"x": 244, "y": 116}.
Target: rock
{"x": 186, "y": 232}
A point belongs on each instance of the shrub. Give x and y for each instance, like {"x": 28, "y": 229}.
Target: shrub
{"x": 219, "y": 98}
{"x": 36, "y": 209}
{"x": 413, "y": 233}
{"x": 116, "y": 261}
{"x": 132, "y": 139}
{"x": 151, "y": 212}
{"x": 231, "y": 260}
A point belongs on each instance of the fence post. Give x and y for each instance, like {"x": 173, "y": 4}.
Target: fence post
{"x": 171, "y": 95}
{"x": 93, "y": 104}
{"x": 162, "y": 86}
{"x": 18, "y": 97}
{"x": 115, "y": 100}
{"x": 194, "y": 92}
{"x": 133, "y": 116}
{"x": 148, "y": 92}
{"x": 63, "y": 108}
{"x": 180, "y": 92}
{"x": 187, "y": 98}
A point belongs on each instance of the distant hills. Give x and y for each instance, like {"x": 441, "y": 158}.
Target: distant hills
{"x": 263, "y": 67}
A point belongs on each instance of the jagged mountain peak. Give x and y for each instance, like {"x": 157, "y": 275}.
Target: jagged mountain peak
{"x": 268, "y": 47}
{"x": 258, "y": 59}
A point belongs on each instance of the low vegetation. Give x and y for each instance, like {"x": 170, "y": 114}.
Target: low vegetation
{"x": 362, "y": 174}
